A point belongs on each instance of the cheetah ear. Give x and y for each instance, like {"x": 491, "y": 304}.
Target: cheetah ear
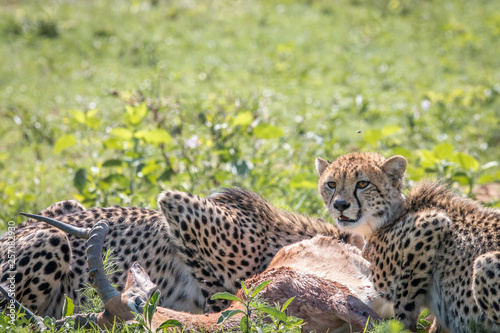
{"x": 395, "y": 168}
{"x": 138, "y": 278}
{"x": 321, "y": 165}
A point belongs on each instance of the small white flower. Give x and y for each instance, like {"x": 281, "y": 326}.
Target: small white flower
{"x": 426, "y": 104}
{"x": 358, "y": 100}
{"x": 192, "y": 142}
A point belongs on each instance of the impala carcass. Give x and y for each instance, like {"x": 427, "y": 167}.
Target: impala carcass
{"x": 327, "y": 277}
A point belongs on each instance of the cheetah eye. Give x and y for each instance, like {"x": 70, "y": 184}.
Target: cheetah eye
{"x": 362, "y": 184}
{"x": 331, "y": 185}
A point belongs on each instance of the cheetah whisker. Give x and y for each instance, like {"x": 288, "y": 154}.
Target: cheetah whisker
{"x": 72, "y": 230}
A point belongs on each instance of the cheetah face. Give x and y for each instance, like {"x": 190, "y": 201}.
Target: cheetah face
{"x": 362, "y": 191}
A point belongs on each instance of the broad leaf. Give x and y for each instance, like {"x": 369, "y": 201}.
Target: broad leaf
{"x": 151, "y": 305}
{"x": 267, "y": 131}
{"x": 259, "y": 288}
{"x": 90, "y": 119}
{"x": 373, "y": 136}
{"x": 122, "y": 133}
{"x": 273, "y": 312}
{"x": 79, "y": 116}
{"x": 466, "y": 161}
{"x": 169, "y": 323}
{"x": 64, "y": 142}
{"x": 68, "y": 307}
{"x": 112, "y": 163}
{"x": 243, "y": 119}
{"x": 485, "y": 179}
{"x": 243, "y": 324}
{"x": 119, "y": 180}
{"x": 244, "y": 287}
{"x": 443, "y": 151}
{"x": 287, "y": 303}
{"x": 135, "y": 114}
{"x": 390, "y": 130}
{"x": 225, "y": 295}
{"x": 49, "y": 321}
{"x": 429, "y": 160}
{"x": 225, "y": 315}
{"x": 154, "y": 136}
{"x": 150, "y": 167}
{"x": 80, "y": 179}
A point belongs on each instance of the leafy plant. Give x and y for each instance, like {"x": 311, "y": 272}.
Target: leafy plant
{"x": 280, "y": 320}
{"x": 453, "y": 167}
{"x": 145, "y": 318}
{"x": 394, "y": 326}
{"x": 282, "y": 323}
{"x": 13, "y": 321}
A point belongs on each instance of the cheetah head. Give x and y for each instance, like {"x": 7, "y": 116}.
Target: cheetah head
{"x": 362, "y": 191}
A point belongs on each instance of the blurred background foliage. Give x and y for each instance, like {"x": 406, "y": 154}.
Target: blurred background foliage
{"x": 112, "y": 102}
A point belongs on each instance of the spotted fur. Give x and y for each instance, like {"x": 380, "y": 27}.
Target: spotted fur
{"x": 192, "y": 248}
{"x": 431, "y": 249}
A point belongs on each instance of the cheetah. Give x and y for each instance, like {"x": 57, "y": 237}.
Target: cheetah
{"x": 431, "y": 249}
{"x": 192, "y": 247}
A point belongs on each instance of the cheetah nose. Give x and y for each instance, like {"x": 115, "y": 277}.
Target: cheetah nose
{"x": 341, "y": 205}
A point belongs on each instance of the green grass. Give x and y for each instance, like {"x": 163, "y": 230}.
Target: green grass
{"x": 264, "y": 86}
{"x": 409, "y": 75}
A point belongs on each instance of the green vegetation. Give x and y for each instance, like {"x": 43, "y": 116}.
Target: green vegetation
{"x": 249, "y": 93}
{"x": 111, "y": 102}
{"x": 280, "y": 322}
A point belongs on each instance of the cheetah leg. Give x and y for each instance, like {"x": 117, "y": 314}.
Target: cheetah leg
{"x": 40, "y": 271}
{"x": 194, "y": 225}
{"x": 486, "y": 284}
{"x": 410, "y": 295}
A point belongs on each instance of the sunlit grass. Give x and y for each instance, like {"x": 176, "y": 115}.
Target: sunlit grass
{"x": 416, "y": 78}
{"x": 320, "y": 71}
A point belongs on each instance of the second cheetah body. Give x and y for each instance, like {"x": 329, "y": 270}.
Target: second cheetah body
{"x": 431, "y": 248}
{"x": 443, "y": 254}
{"x": 192, "y": 248}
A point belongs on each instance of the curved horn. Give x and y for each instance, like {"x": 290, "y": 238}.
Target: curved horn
{"x": 29, "y": 315}
{"x": 97, "y": 275}
{"x": 72, "y": 230}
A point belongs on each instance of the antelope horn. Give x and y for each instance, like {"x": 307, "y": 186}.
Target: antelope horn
{"x": 70, "y": 229}
{"x": 29, "y": 315}
{"x": 97, "y": 275}
{"x": 95, "y": 243}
